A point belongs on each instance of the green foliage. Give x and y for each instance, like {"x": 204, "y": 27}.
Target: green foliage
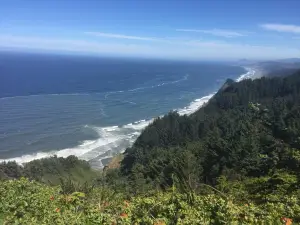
{"x": 248, "y": 129}
{"x": 50, "y": 170}
{"x": 29, "y": 202}
{"x": 68, "y": 186}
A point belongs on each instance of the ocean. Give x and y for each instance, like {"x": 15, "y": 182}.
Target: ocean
{"x": 94, "y": 107}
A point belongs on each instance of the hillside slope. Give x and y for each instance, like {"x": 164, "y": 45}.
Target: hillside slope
{"x": 250, "y": 128}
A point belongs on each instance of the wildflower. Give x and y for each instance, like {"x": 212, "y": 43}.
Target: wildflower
{"x": 57, "y": 210}
{"x": 52, "y": 198}
{"x": 286, "y": 220}
{"x": 123, "y": 215}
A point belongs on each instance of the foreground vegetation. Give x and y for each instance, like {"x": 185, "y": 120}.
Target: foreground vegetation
{"x": 234, "y": 161}
{"x": 29, "y": 202}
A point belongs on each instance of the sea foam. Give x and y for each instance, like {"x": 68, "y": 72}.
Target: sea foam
{"x": 115, "y": 139}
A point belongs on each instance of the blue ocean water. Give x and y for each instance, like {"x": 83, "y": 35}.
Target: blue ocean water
{"x": 93, "y": 107}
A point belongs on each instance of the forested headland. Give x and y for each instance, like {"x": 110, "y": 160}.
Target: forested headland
{"x": 234, "y": 161}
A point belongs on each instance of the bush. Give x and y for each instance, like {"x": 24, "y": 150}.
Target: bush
{"x": 29, "y": 202}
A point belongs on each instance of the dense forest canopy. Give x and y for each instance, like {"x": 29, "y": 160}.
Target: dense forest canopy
{"x": 249, "y": 128}
{"x": 49, "y": 170}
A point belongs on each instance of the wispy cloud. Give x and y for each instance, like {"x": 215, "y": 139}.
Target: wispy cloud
{"x": 281, "y": 27}
{"x": 69, "y": 45}
{"x": 121, "y": 36}
{"x": 180, "y": 49}
{"x": 216, "y": 32}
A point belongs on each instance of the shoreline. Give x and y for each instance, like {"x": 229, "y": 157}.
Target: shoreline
{"x": 88, "y": 146}
{"x": 251, "y": 73}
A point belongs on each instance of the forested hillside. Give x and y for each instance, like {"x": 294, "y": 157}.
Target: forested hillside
{"x": 248, "y": 129}
{"x": 49, "y": 170}
{"x": 234, "y": 161}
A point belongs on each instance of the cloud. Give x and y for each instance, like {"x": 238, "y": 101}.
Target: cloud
{"x": 281, "y": 27}
{"x": 68, "y": 45}
{"x": 121, "y": 36}
{"x": 216, "y": 32}
{"x": 174, "y": 49}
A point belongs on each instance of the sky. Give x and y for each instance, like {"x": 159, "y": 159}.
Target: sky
{"x": 171, "y": 29}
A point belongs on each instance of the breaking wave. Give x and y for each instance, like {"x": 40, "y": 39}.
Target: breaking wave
{"x": 115, "y": 139}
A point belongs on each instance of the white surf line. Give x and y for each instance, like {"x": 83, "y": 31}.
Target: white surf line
{"x": 148, "y": 87}
{"x": 198, "y": 103}
{"x": 138, "y": 126}
{"x": 106, "y": 93}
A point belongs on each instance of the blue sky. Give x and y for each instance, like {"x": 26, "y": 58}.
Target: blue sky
{"x": 175, "y": 29}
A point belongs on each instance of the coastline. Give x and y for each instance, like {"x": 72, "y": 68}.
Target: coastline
{"x": 252, "y": 73}
{"x": 94, "y": 151}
